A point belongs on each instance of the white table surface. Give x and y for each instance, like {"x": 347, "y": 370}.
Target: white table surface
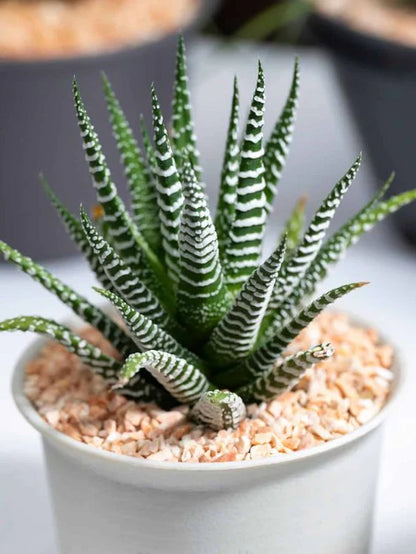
{"x": 325, "y": 144}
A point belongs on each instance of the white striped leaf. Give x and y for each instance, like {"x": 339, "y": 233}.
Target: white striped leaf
{"x": 277, "y": 147}
{"x": 78, "y": 304}
{"x": 335, "y": 247}
{"x": 141, "y": 184}
{"x": 75, "y": 231}
{"x": 101, "y": 363}
{"x": 236, "y": 334}
{"x": 264, "y": 358}
{"x": 146, "y": 334}
{"x": 169, "y": 189}
{"x": 181, "y": 379}
{"x": 229, "y": 179}
{"x": 246, "y": 235}
{"x": 183, "y": 133}
{"x": 125, "y": 237}
{"x": 294, "y": 269}
{"x": 294, "y": 226}
{"x": 202, "y": 297}
{"x": 219, "y": 410}
{"x": 124, "y": 281}
{"x": 150, "y": 153}
{"x": 285, "y": 374}
{"x": 143, "y": 388}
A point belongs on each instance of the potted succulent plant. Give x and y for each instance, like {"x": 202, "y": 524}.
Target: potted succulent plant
{"x": 35, "y": 99}
{"x": 211, "y": 357}
{"x": 373, "y": 43}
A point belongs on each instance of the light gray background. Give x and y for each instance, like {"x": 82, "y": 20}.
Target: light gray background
{"x": 325, "y": 144}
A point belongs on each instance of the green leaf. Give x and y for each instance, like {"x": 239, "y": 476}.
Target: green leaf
{"x": 123, "y": 280}
{"x": 146, "y": 334}
{"x": 202, "y": 297}
{"x": 181, "y": 379}
{"x": 219, "y": 410}
{"x": 183, "y": 133}
{"x": 294, "y": 226}
{"x": 294, "y": 269}
{"x": 285, "y": 374}
{"x": 335, "y": 247}
{"x": 91, "y": 355}
{"x": 142, "y": 388}
{"x": 274, "y": 19}
{"x": 169, "y": 189}
{"x": 140, "y": 182}
{"x": 229, "y": 179}
{"x": 80, "y": 305}
{"x": 236, "y": 334}
{"x": 75, "y": 231}
{"x": 150, "y": 152}
{"x": 367, "y": 218}
{"x": 277, "y": 147}
{"x": 115, "y": 214}
{"x": 125, "y": 237}
{"x": 246, "y": 236}
{"x": 264, "y": 358}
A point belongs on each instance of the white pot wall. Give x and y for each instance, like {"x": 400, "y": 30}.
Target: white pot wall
{"x": 322, "y": 505}
{"x": 318, "y": 501}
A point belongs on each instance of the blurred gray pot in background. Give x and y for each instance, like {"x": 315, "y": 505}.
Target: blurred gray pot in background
{"x": 379, "y": 79}
{"x": 39, "y": 132}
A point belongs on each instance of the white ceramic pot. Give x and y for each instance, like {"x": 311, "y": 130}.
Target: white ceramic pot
{"x": 318, "y": 501}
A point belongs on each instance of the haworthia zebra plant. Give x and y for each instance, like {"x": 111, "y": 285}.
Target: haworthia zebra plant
{"x": 206, "y": 321}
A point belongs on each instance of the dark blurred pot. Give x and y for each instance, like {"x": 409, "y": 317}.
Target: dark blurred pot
{"x": 39, "y": 132}
{"x": 234, "y": 13}
{"x": 379, "y": 79}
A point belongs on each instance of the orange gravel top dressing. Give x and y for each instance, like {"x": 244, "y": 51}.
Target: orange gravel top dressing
{"x": 61, "y": 28}
{"x": 332, "y": 399}
{"x": 386, "y": 19}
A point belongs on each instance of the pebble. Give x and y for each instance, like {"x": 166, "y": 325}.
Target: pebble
{"x": 332, "y": 399}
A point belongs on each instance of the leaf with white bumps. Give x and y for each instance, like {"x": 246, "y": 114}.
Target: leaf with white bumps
{"x": 183, "y": 133}
{"x": 140, "y": 182}
{"x": 75, "y": 231}
{"x": 202, "y": 297}
{"x": 294, "y": 269}
{"x": 181, "y": 379}
{"x": 169, "y": 189}
{"x": 335, "y": 247}
{"x": 123, "y": 279}
{"x": 219, "y": 410}
{"x": 264, "y": 358}
{"x": 229, "y": 179}
{"x": 277, "y": 147}
{"x": 294, "y": 226}
{"x": 101, "y": 363}
{"x": 80, "y": 305}
{"x": 244, "y": 248}
{"x": 125, "y": 236}
{"x": 285, "y": 374}
{"x": 236, "y": 334}
{"x": 146, "y": 334}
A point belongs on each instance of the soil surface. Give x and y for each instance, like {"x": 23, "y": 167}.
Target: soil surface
{"x": 333, "y": 398}
{"x": 32, "y": 29}
{"x": 391, "y": 19}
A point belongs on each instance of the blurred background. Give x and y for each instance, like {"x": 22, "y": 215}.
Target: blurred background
{"x": 358, "y": 85}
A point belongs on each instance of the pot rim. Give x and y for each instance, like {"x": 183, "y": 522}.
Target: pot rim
{"x": 73, "y": 446}
{"x": 202, "y": 14}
